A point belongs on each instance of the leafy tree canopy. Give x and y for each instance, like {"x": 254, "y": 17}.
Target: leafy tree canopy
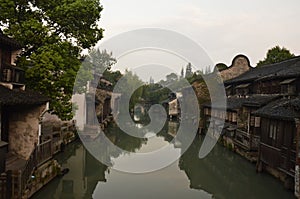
{"x": 275, "y": 55}
{"x": 220, "y": 66}
{"x": 53, "y": 34}
{"x": 100, "y": 60}
{"x": 171, "y": 77}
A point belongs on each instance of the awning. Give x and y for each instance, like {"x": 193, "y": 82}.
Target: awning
{"x": 243, "y": 85}
{"x": 288, "y": 81}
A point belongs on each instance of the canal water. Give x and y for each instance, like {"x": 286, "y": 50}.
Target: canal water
{"x": 222, "y": 174}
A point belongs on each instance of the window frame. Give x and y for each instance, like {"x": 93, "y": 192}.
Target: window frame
{"x": 273, "y": 130}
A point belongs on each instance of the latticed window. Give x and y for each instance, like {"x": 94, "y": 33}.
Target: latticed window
{"x": 257, "y": 122}
{"x": 234, "y": 117}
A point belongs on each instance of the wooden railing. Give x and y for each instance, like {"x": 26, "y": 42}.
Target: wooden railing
{"x": 40, "y": 155}
{"x": 13, "y": 183}
{"x": 44, "y": 152}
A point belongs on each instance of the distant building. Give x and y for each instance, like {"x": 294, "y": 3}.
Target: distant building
{"x": 240, "y": 65}
{"x": 93, "y": 111}
{"x": 174, "y": 106}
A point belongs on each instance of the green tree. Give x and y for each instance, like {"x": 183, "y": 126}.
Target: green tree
{"x": 112, "y": 76}
{"x": 275, "y": 55}
{"x": 172, "y": 77}
{"x": 100, "y": 60}
{"x": 155, "y": 93}
{"x": 53, "y": 34}
{"x": 127, "y": 85}
{"x": 220, "y": 66}
{"x": 188, "y": 70}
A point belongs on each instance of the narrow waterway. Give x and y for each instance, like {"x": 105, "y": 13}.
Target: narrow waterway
{"x": 222, "y": 174}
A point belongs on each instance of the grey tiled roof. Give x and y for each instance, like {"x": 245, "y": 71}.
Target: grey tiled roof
{"x": 285, "y": 109}
{"x": 285, "y": 69}
{"x": 19, "y": 97}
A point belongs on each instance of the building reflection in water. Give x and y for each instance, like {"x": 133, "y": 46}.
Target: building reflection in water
{"x": 222, "y": 174}
{"x": 85, "y": 171}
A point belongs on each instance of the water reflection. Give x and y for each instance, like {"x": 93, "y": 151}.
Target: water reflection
{"x": 226, "y": 175}
{"x": 222, "y": 174}
{"x": 84, "y": 175}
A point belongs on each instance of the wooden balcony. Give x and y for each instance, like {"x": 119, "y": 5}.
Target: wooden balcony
{"x": 12, "y": 74}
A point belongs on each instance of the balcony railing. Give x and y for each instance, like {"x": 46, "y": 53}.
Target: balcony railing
{"x": 12, "y": 74}
{"x": 246, "y": 140}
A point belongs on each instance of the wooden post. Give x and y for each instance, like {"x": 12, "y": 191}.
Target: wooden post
{"x": 9, "y": 190}
{"x": 259, "y": 164}
{"x": 297, "y": 166}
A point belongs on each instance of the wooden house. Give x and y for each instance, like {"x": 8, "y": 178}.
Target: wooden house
{"x": 262, "y": 118}
{"x": 22, "y": 154}
{"x": 239, "y": 130}
{"x": 240, "y": 65}
{"x": 261, "y": 86}
{"x": 16, "y": 104}
{"x": 247, "y": 135}
{"x": 271, "y": 117}
{"x": 10, "y": 75}
{"x": 280, "y": 78}
{"x": 278, "y": 141}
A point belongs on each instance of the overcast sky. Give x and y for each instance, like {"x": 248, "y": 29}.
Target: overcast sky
{"x": 223, "y": 28}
